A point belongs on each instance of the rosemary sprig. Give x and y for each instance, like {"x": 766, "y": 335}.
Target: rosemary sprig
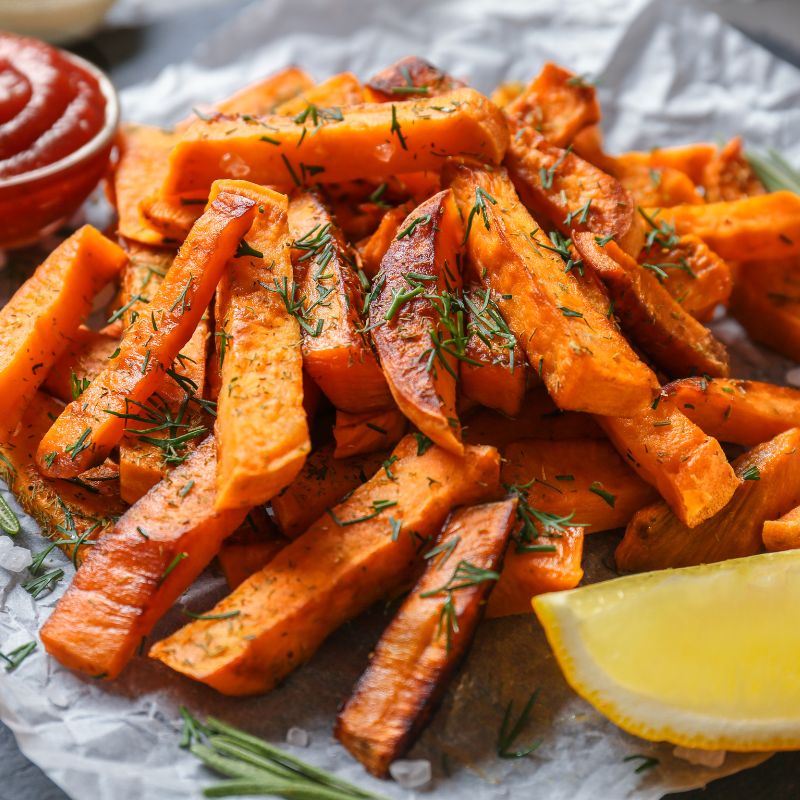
{"x": 509, "y": 733}
{"x": 136, "y": 298}
{"x": 582, "y": 214}
{"x": 479, "y": 207}
{"x": 648, "y": 762}
{"x": 37, "y": 586}
{"x": 16, "y": 656}
{"x": 465, "y": 574}
{"x": 597, "y": 488}
{"x": 157, "y": 416}
{"x": 423, "y": 443}
{"x": 395, "y": 129}
{"x": 318, "y": 116}
{"x": 445, "y": 549}
{"x": 244, "y": 249}
{"x": 256, "y": 767}
{"x": 561, "y": 246}
{"x": 546, "y": 176}
{"x": 378, "y": 506}
{"x": 295, "y": 303}
{"x": 412, "y": 226}
{"x": 181, "y": 299}
{"x": 203, "y": 617}
{"x": 77, "y": 385}
{"x": 661, "y": 232}
{"x": 318, "y": 244}
{"x": 487, "y": 323}
{"x": 752, "y": 473}
{"x": 774, "y": 171}
{"x": 536, "y": 524}
{"x": 82, "y": 443}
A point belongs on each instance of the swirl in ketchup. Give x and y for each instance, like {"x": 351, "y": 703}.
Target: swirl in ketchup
{"x": 49, "y": 105}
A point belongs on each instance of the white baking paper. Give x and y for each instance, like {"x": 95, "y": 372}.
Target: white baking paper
{"x": 667, "y": 74}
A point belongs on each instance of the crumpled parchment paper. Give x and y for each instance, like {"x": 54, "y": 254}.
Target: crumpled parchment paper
{"x": 667, "y": 74}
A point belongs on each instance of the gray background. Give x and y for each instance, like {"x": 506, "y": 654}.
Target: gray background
{"x": 136, "y": 46}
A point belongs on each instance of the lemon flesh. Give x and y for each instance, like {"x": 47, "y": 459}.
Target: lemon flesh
{"x": 705, "y": 657}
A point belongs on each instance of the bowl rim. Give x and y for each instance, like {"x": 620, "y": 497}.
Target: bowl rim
{"x": 103, "y": 137}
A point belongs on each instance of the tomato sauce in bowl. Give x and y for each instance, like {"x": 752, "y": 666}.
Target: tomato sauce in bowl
{"x": 58, "y": 116}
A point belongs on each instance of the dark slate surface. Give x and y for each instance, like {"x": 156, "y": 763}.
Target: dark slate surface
{"x": 133, "y": 54}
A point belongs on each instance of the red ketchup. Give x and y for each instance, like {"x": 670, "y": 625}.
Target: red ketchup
{"x": 50, "y": 106}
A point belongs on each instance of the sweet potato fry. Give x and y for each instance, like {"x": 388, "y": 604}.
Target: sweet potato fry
{"x": 343, "y": 89}
{"x": 427, "y": 638}
{"x": 72, "y": 513}
{"x": 39, "y": 321}
{"x": 85, "y": 358}
{"x": 419, "y": 186}
{"x": 507, "y": 91}
{"x": 588, "y": 144}
{"x": 538, "y": 418}
{"x": 88, "y": 429}
{"x": 410, "y": 77}
{"x": 782, "y": 533}
{"x": 581, "y": 479}
{"x": 763, "y": 227}
{"x": 411, "y": 320}
{"x": 138, "y": 569}
{"x": 139, "y": 173}
{"x": 769, "y": 486}
{"x": 374, "y": 248}
{"x": 582, "y": 358}
{"x": 525, "y": 574}
{"x": 670, "y": 452}
{"x": 174, "y": 217}
{"x": 145, "y": 458}
{"x": 169, "y": 424}
{"x": 729, "y": 176}
{"x": 371, "y": 140}
{"x": 571, "y": 193}
{"x": 494, "y": 372}
{"x": 766, "y": 301}
{"x": 266, "y": 95}
{"x": 364, "y": 549}
{"x": 655, "y": 187}
{"x": 695, "y": 275}
{"x": 557, "y": 103}
{"x": 690, "y": 159}
{"x": 336, "y": 352}
{"x": 321, "y": 484}
{"x": 250, "y": 548}
{"x": 358, "y": 434}
{"x": 743, "y": 412}
{"x": 146, "y": 268}
{"x": 652, "y": 318}
{"x": 261, "y": 426}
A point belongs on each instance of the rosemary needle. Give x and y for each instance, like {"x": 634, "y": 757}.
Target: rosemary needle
{"x": 256, "y": 767}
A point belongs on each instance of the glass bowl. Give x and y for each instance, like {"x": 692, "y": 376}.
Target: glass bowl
{"x": 35, "y": 203}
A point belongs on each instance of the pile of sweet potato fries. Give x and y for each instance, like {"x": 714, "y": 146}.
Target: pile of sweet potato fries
{"x": 373, "y": 338}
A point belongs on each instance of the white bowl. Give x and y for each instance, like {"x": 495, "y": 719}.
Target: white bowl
{"x": 57, "y": 21}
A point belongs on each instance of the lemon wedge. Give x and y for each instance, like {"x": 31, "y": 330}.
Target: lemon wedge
{"x": 705, "y": 657}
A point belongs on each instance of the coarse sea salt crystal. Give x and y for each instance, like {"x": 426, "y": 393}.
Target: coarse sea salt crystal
{"x": 298, "y": 737}
{"x": 234, "y": 165}
{"x": 6, "y": 545}
{"x": 16, "y": 559}
{"x": 411, "y": 773}
{"x": 700, "y": 758}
